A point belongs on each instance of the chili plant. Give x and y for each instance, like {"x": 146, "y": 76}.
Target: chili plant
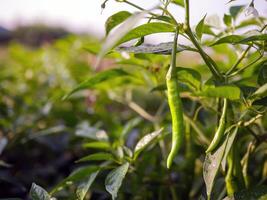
{"x": 207, "y": 88}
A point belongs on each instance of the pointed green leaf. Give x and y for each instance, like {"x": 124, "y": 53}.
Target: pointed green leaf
{"x": 259, "y": 37}
{"x": 78, "y": 175}
{"x": 98, "y": 78}
{"x": 199, "y": 28}
{"x": 85, "y": 185}
{"x": 116, "y": 19}
{"x": 207, "y": 30}
{"x": 249, "y": 22}
{"x": 211, "y": 166}
{"x": 97, "y": 156}
{"x": 228, "y": 91}
{"x": 238, "y": 39}
{"x": 230, "y": 1}
{"x": 260, "y": 92}
{"x": 262, "y": 75}
{"x": 113, "y": 38}
{"x": 232, "y": 135}
{"x": 178, "y": 2}
{"x": 147, "y": 29}
{"x": 145, "y": 141}
{"x": 164, "y": 19}
{"x": 114, "y": 179}
{"x": 190, "y": 77}
{"x": 235, "y": 10}
{"x": 38, "y": 193}
{"x": 227, "y": 19}
{"x": 162, "y": 48}
{"x": 231, "y": 39}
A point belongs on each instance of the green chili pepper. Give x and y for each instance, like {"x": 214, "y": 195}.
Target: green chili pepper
{"x": 220, "y": 131}
{"x": 234, "y": 179}
{"x": 230, "y": 180}
{"x": 175, "y": 105}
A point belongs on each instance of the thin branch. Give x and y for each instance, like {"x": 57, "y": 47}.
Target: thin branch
{"x": 209, "y": 62}
{"x": 252, "y": 120}
{"x": 247, "y": 66}
{"x": 239, "y": 60}
{"x": 138, "y": 7}
{"x": 242, "y": 56}
{"x": 141, "y": 111}
{"x": 199, "y": 132}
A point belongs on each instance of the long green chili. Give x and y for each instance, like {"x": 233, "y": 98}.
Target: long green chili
{"x": 175, "y": 105}
{"x": 221, "y": 129}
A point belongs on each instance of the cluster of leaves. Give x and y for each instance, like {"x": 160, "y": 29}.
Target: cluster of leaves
{"x": 129, "y": 142}
{"x": 239, "y": 77}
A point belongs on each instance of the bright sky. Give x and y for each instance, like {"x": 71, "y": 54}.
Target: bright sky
{"x": 85, "y": 15}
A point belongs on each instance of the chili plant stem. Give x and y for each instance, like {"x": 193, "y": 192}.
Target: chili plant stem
{"x": 138, "y": 7}
{"x": 233, "y": 68}
{"x": 247, "y": 66}
{"x": 239, "y": 60}
{"x": 209, "y": 62}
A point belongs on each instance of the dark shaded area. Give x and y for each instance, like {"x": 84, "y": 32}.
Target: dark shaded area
{"x": 32, "y": 35}
{"x": 44, "y": 161}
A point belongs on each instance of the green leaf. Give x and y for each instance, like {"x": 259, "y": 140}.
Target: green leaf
{"x": 232, "y": 135}
{"x": 128, "y": 152}
{"x": 38, "y": 193}
{"x": 97, "y": 156}
{"x": 78, "y": 175}
{"x": 162, "y": 48}
{"x": 84, "y": 186}
{"x": 163, "y": 18}
{"x": 262, "y": 75}
{"x": 249, "y": 22}
{"x": 235, "y": 10}
{"x": 190, "y": 77}
{"x": 113, "y": 38}
{"x": 227, "y": 19}
{"x": 230, "y": 1}
{"x": 115, "y": 20}
{"x": 232, "y": 39}
{"x": 147, "y": 29}
{"x": 211, "y": 166}
{"x": 160, "y": 87}
{"x": 178, "y": 2}
{"x": 114, "y": 179}
{"x": 238, "y": 39}
{"x": 259, "y": 37}
{"x": 145, "y": 141}
{"x": 199, "y": 27}
{"x": 207, "y": 30}
{"x": 260, "y": 92}
{"x": 228, "y": 91}
{"x": 97, "y": 145}
{"x": 98, "y": 78}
